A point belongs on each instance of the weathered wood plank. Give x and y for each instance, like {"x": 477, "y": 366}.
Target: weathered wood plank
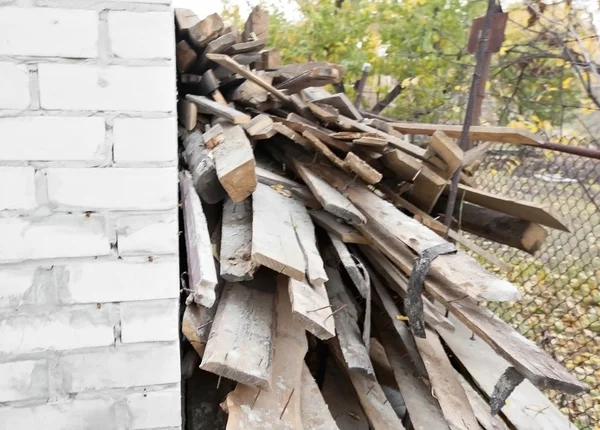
{"x": 184, "y": 19}
{"x": 252, "y": 46}
{"x": 448, "y": 151}
{"x": 311, "y": 308}
{"x": 274, "y": 243}
{"x": 481, "y": 408}
{"x": 206, "y": 30}
{"x": 291, "y": 134}
{"x": 258, "y": 124}
{"x": 186, "y": 57}
{"x": 257, "y": 25}
{"x": 362, "y": 169}
{"x": 235, "y": 164}
{"x": 230, "y": 114}
{"x": 314, "y": 410}
{"x": 336, "y": 226}
{"x": 295, "y": 189}
{"x": 188, "y": 114}
{"x": 371, "y": 142}
{"x": 236, "y": 241}
{"x": 341, "y": 102}
{"x": 324, "y": 150}
{"x": 196, "y": 323}
{"x": 240, "y": 346}
{"x": 201, "y": 266}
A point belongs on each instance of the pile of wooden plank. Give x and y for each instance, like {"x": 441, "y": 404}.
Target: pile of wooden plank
{"x": 314, "y": 252}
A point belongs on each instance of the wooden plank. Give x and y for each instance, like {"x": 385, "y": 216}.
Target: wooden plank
{"x": 448, "y": 151}
{"x": 324, "y": 150}
{"x": 223, "y": 111}
{"x": 371, "y": 142}
{"x": 529, "y": 211}
{"x": 247, "y": 47}
{"x": 187, "y": 113}
{"x": 282, "y": 183}
{"x": 527, "y": 407}
{"x": 291, "y": 134}
{"x": 271, "y": 59}
{"x": 184, "y": 19}
{"x": 220, "y": 44}
{"x": 311, "y": 308}
{"x": 214, "y": 136}
{"x": 206, "y": 30}
{"x": 362, "y": 169}
{"x": 274, "y": 243}
{"x": 485, "y": 133}
{"x": 258, "y": 124}
{"x": 235, "y": 164}
{"x": 314, "y": 410}
{"x": 447, "y": 389}
{"x": 481, "y": 408}
{"x": 324, "y": 113}
{"x": 257, "y": 25}
{"x": 236, "y": 241}
{"x": 460, "y": 271}
{"x": 186, "y": 57}
{"x": 324, "y": 135}
{"x": 279, "y": 408}
{"x": 341, "y": 102}
{"x": 381, "y": 364}
{"x": 338, "y": 227}
{"x": 196, "y": 323}
{"x": 201, "y": 266}
{"x": 249, "y": 93}
{"x": 233, "y": 66}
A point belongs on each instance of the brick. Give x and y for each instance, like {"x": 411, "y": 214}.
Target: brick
{"x": 56, "y": 331}
{"x": 148, "y": 234}
{"x": 155, "y": 409}
{"x": 148, "y": 364}
{"x": 55, "y": 236}
{"x": 151, "y": 321}
{"x": 50, "y": 32}
{"x": 43, "y": 138}
{"x": 22, "y": 380}
{"x": 17, "y": 188}
{"x": 120, "y": 88}
{"x": 94, "y": 414}
{"x": 120, "y": 281}
{"x": 14, "y": 85}
{"x": 25, "y": 286}
{"x": 145, "y": 140}
{"x": 141, "y": 34}
{"x": 112, "y": 188}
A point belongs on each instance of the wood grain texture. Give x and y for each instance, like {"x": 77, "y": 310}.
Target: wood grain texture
{"x": 311, "y": 308}
{"x": 295, "y": 189}
{"x": 314, "y": 410}
{"x": 230, "y": 114}
{"x": 336, "y": 226}
{"x": 240, "y": 346}
{"x": 236, "y": 241}
{"x": 362, "y": 169}
{"x": 482, "y": 408}
{"x": 274, "y": 242}
{"x": 201, "y": 265}
{"x": 196, "y": 323}
{"x": 186, "y": 56}
{"x": 448, "y": 150}
{"x": 205, "y": 31}
{"x": 341, "y": 102}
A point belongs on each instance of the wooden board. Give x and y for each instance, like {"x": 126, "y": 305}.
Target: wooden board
{"x": 448, "y": 150}
{"x": 481, "y": 408}
{"x": 196, "y": 324}
{"x": 253, "y": 46}
{"x": 184, "y": 19}
{"x": 362, "y": 169}
{"x": 223, "y": 111}
{"x": 235, "y": 164}
{"x": 249, "y": 93}
{"x": 534, "y": 212}
{"x": 279, "y": 408}
{"x": 201, "y": 266}
{"x": 187, "y": 113}
{"x": 341, "y": 102}
{"x": 286, "y": 186}
{"x": 311, "y": 309}
{"x": 291, "y": 134}
{"x": 236, "y": 241}
{"x": 240, "y": 346}
{"x": 485, "y": 133}
{"x": 336, "y": 226}
{"x": 324, "y": 150}
{"x": 186, "y": 56}
{"x": 527, "y": 407}
{"x": 274, "y": 243}
{"x": 445, "y": 385}
{"x": 314, "y": 410}
{"x": 257, "y": 25}
{"x": 371, "y": 142}
{"x": 205, "y": 31}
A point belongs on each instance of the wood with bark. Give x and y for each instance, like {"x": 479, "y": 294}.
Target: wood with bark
{"x": 257, "y": 25}
{"x": 205, "y": 31}
{"x": 280, "y": 407}
{"x": 315, "y": 412}
{"x": 188, "y": 114}
{"x": 274, "y": 242}
{"x": 186, "y": 57}
{"x": 223, "y": 111}
{"x": 362, "y": 169}
{"x": 240, "y": 345}
{"x": 311, "y": 308}
{"x": 236, "y": 241}
{"x": 235, "y": 164}
{"x": 201, "y": 266}
{"x": 337, "y": 227}
{"x": 343, "y": 104}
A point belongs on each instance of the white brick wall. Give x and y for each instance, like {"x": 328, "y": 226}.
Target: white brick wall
{"x": 43, "y": 138}
{"x": 14, "y": 85}
{"x": 112, "y": 88}
{"x": 141, "y": 35}
{"x": 17, "y": 188}
{"x": 89, "y": 267}
{"x": 50, "y": 32}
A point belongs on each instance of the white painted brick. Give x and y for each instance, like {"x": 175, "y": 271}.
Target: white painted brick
{"x": 113, "y": 188}
{"x": 148, "y": 234}
{"x": 53, "y": 237}
{"x": 14, "y": 85}
{"x": 145, "y": 140}
{"x": 62, "y": 330}
{"x": 17, "y": 188}
{"x": 50, "y": 32}
{"x": 98, "y": 414}
{"x": 150, "y": 321}
{"x": 155, "y": 409}
{"x": 152, "y": 364}
{"x": 25, "y": 285}
{"x": 51, "y": 138}
{"x": 23, "y": 380}
{"x": 92, "y": 87}
{"x": 120, "y": 281}
{"x": 141, "y": 34}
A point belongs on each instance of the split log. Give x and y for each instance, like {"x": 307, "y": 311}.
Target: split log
{"x": 186, "y": 57}
{"x": 222, "y": 111}
{"x": 311, "y": 308}
{"x": 343, "y": 104}
{"x": 274, "y": 243}
{"x": 257, "y": 25}
{"x": 188, "y": 114}
{"x": 362, "y": 169}
{"x": 481, "y": 408}
{"x": 280, "y": 407}
{"x": 240, "y": 346}
{"x": 205, "y": 31}
{"x": 201, "y": 266}
{"x": 338, "y": 227}
{"x": 236, "y": 241}
{"x": 235, "y": 164}
{"x": 314, "y": 410}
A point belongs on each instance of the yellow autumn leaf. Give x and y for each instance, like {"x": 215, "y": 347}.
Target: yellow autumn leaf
{"x": 457, "y": 88}
{"x": 406, "y": 82}
{"x": 538, "y": 98}
{"x": 415, "y": 81}
{"x": 488, "y": 85}
{"x": 534, "y": 129}
{"x": 401, "y": 317}
{"x": 567, "y": 82}
{"x": 494, "y": 172}
{"x": 535, "y": 118}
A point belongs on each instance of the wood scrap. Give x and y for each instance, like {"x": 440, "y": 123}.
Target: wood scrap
{"x": 246, "y": 47}
{"x": 337, "y": 227}
{"x": 343, "y": 104}
{"x": 257, "y": 25}
{"x": 185, "y": 19}
{"x": 258, "y": 124}
{"x": 291, "y": 134}
{"x": 221, "y": 110}
{"x": 205, "y": 31}
{"x": 362, "y": 169}
{"x": 371, "y": 142}
{"x": 314, "y": 410}
{"x": 186, "y": 56}
{"x": 311, "y": 308}
{"x": 236, "y": 241}
{"x": 220, "y": 44}
{"x": 286, "y": 186}
{"x": 271, "y": 59}
{"x": 481, "y": 408}
{"x": 187, "y": 113}
{"x": 448, "y": 151}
